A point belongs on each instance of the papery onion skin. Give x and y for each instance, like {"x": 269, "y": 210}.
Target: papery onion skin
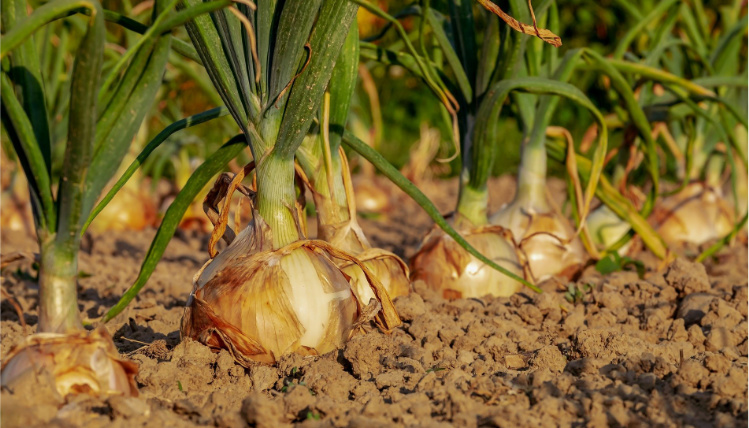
{"x": 271, "y": 303}
{"x": 387, "y": 267}
{"x": 696, "y": 214}
{"x": 392, "y": 272}
{"x": 75, "y": 363}
{"x": 450, "y": 270}
{"x": 546, "y": 240}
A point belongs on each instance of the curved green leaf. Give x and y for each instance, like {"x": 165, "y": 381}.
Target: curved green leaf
{"x": 638, "y": 117}
{"x": 205, "y": 172}
{"x": 435, "y": 22}
{"x": 112, "y": 147}
{"x": 21, "y": 134}
{"x": 637, "y": 29}
{"x": 491, "y": 107}
{"x": 149, "y": 37}
{"x": 723, "y": 241}
{"x": 150, "y": 147}
{"x": 344, "y": 77}
{"x": 179, "y": 46}
{"x": 26, "y": 76}
{"x": 426, "y": 68}
{"x": 661, "y": 76}
{"x": 39, "y": 18}
{"x": 411, "y": 190}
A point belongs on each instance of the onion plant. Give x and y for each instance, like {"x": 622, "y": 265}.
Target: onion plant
{"x": 101, "y": 122}
{"x": 546, "y": 240}
{"x": 273, "y": 291}
{"x": 685, "y": 76}
{"x": 485, "y": 78}
{"x": 708, "y": 135}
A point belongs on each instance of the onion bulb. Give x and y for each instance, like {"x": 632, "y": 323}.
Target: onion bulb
{"x": 130, "y": 209}
{"x": 449, "y": 269}
{"x": 606, "y": 228}
{"x": 546, "y": 240}
{"x": 261, "y": 304}
{"x": 81, "y": 362}
{"x": 696, "y": 214}
{"x": 15, "y": 209}
{"x": 15, "y": 212}
{"x": 388, "y": 268}
{"x": 370, "y": 198}
{"x": 348, "y": 236}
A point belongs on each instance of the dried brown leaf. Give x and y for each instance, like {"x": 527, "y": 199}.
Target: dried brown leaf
{"x": 533, "y": 30}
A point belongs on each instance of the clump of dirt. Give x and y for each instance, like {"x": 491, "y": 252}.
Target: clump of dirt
{"x": 668, "y": 349}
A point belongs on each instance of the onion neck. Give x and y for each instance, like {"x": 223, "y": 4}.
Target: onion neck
{"x": 699, "y": 158}
{"x": 531, "y": 190}
{"x": 473, "y": 204}
{"x": 714, "y": 171}
{"x": 276, "y": 198}
{"x": 330, "y": 200}
{"x": 58, "y": 294}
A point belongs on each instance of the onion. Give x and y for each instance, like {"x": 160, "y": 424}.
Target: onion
{"x": 15, "y": 214}
{"x": 448, "y": 268}
{"x": 130, "y": 209}
{"x": 369, "y": 197}
{"x": 261, "y": 304}
{"x": 546, "y": 240}
{"x": 388, "y": 268}
{"x": 606, "y": 228}
{"x": 15, "y": 209}
{"x": 348, "y": 236}
{"x": 74, "y": 363}
{"x": 696, "y": 214}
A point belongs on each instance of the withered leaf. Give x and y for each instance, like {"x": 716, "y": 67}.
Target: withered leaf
{"x": 533, "y": 30}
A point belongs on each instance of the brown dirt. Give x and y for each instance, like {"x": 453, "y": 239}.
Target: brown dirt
{"x": 667, "y": 350}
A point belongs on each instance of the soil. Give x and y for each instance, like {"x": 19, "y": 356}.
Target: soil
{"x": 668, "y": 349}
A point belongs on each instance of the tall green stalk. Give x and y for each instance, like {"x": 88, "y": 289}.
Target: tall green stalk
{"x": 271, "y": 75}
{"x": 531, "y": 191}
{"x": 319, "y": 155}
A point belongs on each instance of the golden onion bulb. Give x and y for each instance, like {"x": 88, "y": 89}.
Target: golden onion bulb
{"x": 274, "y": 303}
{"x": 261, "y": 304}
{"x": 369, "y": 197}
{"x": 449, "y": 269}
{"x": 15, "y": 215}
{"x": 130, "y": 209}
{"x": 546, "y": 240}
{"x": 696, "y": 214}
{"x": 15, "y": 209}
{"x": 606, "y": 228}
{"x": 81, "y": 362}
{"x": 388, "y": 268}
{"x": 385, "y": 266}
